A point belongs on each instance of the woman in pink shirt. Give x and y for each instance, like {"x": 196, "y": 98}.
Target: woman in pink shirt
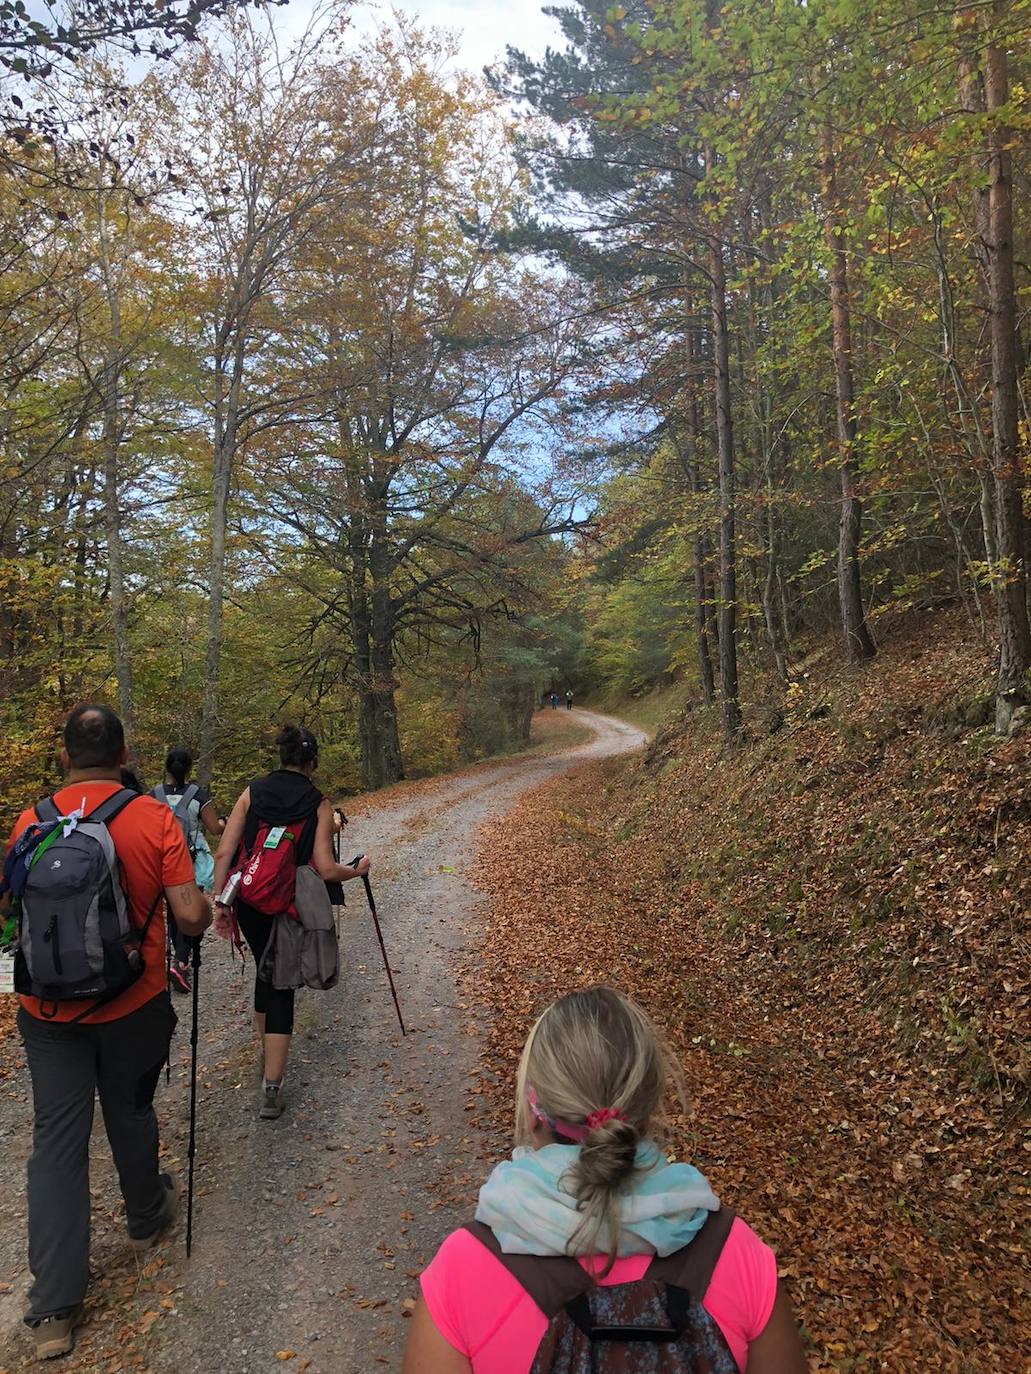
{"x": 588, "y": 1228}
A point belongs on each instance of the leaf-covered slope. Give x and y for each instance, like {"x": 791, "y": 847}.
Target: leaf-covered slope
{"x": 830, "y": 923}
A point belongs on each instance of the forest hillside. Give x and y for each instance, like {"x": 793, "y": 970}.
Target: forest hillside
{"x": 832, "y": 924}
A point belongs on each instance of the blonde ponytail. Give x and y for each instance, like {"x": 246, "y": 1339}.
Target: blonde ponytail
{"x": 593, "y": 1063}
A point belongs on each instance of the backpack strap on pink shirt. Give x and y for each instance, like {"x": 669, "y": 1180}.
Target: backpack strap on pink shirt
{"x": 550, "y": 1280}
{"x": 692, "y": 1266}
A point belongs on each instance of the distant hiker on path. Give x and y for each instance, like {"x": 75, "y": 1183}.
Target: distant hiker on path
{"x": 193, "y": 808}
{"x": 588, "y": 1227}
{"x": 102, "y": 858}
{"x": 554, "y": 700}
{"x": 285, "y": 821}
{"x": 569, "y": 699}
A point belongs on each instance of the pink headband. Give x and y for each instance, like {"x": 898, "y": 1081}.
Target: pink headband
{"x": 578, "y": 1134}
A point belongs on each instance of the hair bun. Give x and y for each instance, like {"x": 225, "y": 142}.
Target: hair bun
{"x": 297, "y": 746}
{"x": 608, "y": 1155}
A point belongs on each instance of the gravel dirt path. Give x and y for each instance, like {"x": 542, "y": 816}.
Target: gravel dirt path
{"x": 310, "y": 1231}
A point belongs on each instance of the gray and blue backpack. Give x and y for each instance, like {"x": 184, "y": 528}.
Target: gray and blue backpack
{"x": 76, "y": 938}
{"x": 655, "y": 1325}
{"x": 186, "y": 809}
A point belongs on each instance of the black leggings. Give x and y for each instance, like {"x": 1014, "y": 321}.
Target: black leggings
{"x": 276, "y": 1004}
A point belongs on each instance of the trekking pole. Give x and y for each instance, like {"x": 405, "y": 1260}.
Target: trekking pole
{"x": 191, "y": 1153}
{"x": 379, "y": 935}
{"x": 337, "y": 858}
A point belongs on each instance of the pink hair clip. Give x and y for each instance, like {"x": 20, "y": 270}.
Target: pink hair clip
{"x": 603, "y": 1115}
{"x": 564, "y": 1128}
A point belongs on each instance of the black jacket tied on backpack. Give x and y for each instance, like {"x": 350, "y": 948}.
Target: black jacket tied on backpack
{"x": 284, "y": 797}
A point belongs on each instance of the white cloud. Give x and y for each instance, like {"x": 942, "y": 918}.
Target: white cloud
{"x": 484, "y": 27}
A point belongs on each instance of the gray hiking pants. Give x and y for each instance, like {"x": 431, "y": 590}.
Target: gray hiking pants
{"x": 70, "y": 1065}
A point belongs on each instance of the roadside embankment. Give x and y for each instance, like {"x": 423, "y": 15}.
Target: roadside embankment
{"x": 830, "y": 922}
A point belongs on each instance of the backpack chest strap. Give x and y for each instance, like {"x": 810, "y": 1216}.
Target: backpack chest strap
{"x": 550, "y": 1280}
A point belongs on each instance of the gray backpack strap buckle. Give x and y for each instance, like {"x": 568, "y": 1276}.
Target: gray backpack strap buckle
{"x": 692, "y": 1266}
{"x": 550, "y": 1280}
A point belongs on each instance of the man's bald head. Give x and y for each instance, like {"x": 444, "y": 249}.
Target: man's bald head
{"x": 94, "y": 737}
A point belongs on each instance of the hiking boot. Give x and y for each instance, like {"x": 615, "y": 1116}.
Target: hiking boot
{"x": 169, "y": 1216}
{"x": 55, "y": 1336}
{"x": 178, "y": 976}
{"x": 271, "y": 1101}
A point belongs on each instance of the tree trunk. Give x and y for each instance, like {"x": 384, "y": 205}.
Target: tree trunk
{"x": 972, "y": 100}
{"x": 361, "y": 641}
{"x": 771, "y": 587}
{"x": 227, "y": 410}
{"x": 1010, "y": 581}
{"x": 772, "y": 468}
{"x": 730, "y": 703}
{"x": 694, "y": 475}
{"x": 705, "y": 673}
{"x": 858, "y": 640}
{"x": 115, "y": 566}
{"x": 112, "y": 436}
{"x": 360, "y": 617}
{"x": 528, "y": 703}
{"x": 385, "y": 762}
{"x": 388, "y": 766}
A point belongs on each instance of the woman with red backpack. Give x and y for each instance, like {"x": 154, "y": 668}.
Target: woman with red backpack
{"x": 280, "y": 822}
{"x": 590, "y": 1250}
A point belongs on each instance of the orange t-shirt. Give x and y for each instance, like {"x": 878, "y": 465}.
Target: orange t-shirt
{"x": 152, "y": 852}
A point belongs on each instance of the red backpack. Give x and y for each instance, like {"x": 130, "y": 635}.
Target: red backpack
{"x": 268, "y": 872}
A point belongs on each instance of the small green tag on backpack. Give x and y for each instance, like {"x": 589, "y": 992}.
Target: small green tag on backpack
{"x": 6, "y": 973}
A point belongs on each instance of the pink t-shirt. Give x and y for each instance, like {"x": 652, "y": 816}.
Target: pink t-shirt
{"x": 481, "y": 1310}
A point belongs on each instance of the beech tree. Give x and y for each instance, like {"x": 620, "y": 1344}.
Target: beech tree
{"x": 259, "y": 169}
{"x": 431, "y": 362}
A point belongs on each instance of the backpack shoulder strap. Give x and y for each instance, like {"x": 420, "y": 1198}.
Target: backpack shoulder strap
{"x": 188, "y": 795}
{"x": 105, "y": 813}
{"x": 47, "y": 810}
{"x": 550, "y": 1280}
{"x": 159, "y": 793}
{"x": 691, "y": 1267}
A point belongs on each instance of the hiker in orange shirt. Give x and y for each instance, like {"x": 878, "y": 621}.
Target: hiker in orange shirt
{"x": 90, "y": 868}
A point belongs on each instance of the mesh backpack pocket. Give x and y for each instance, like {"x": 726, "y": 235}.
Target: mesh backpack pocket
{"x": 656, "y": 1325}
